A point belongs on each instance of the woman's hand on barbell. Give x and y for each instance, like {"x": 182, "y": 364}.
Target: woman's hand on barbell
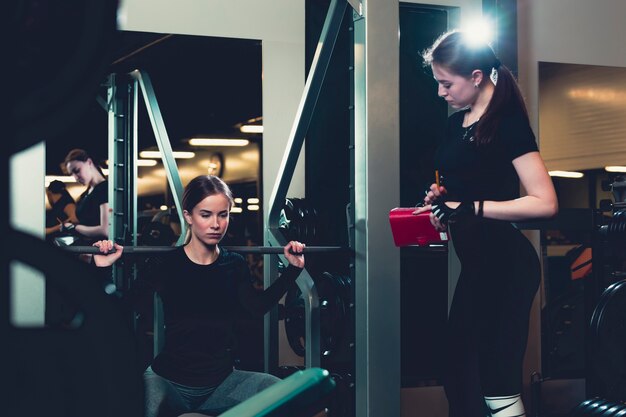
{"x": 108, "y": 257}
{"x": 293, "y": 253}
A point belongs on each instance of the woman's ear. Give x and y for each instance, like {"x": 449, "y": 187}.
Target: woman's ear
{"x": 477, "y": 77}
{"x": 187, "y": 217}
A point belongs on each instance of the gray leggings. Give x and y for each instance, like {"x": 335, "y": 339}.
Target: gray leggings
{"x": 164, "y": 398}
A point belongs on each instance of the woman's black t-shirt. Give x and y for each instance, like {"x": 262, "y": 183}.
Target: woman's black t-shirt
{"x": 88, "y": 204}
{"x": 200, "y": 305}
{"x": 483, "y": 172}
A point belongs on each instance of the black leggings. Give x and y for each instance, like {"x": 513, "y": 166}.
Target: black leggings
{"x": 488, "y": 322}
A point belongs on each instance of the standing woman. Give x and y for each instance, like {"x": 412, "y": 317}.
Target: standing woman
{"x": 488, "y": 150}
{"x": 204, "y": 288}
{"x": 92, "y": 208}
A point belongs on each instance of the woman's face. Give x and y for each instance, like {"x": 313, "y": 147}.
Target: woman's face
{"x": 209, "y": 219}
{"x": 457, "y": 90}
{"x": 80, "y": 171}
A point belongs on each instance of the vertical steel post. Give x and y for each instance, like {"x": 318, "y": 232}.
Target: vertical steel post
{"x": 377, "y": 189}
{"x": 274, "y": 237}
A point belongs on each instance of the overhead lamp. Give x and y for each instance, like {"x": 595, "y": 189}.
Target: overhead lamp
{"x": 615, "y": 168}
{"x": 218, "y": 142}
{"x": 251, "y": 129}
{"x": 146, "y": 162}
{"x": 176, "y": 154}
{"x": 566, "y": 174}
{"x": 236, "y": 210}
{"x": 253, "y": 207}
{"x": 252, "y": 200}
{"x": 238, "y": 200}
{"x": 478, "y": 32}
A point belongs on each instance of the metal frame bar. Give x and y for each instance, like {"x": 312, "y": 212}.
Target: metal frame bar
{"x": 150, "y": 250}
{"x": 164, "y": 145}
{"x": 274, "y": 237}
{"x": 377, "y": 261}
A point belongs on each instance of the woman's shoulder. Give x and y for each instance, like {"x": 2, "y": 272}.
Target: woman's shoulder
{"x": 228, "y": 257}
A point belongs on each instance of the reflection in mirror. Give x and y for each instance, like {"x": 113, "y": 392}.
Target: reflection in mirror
{"x": 210, "y": 97}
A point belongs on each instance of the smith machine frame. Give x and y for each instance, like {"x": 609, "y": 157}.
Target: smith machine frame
{"x": 375, "y": 394}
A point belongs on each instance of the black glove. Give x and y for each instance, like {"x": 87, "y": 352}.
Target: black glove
{"x": 446, "y": 214}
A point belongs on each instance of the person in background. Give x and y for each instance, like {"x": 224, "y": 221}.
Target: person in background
{"x": 92, "y": 209}
{"x": 204, "y": 289}
{"x": 62, "y": 208}
{"x": 488, "y": 151}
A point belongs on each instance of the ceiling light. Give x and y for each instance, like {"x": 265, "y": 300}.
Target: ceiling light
{"x": 566, "y": 174}
{"x": 218, "y": 142}
{"x": 236, "y": 210}
{"x": 157, "y": 154}
{"x": 615, "y": 168}
{"x": 163, "y": 208}
{"x": 478, "y": 32}
{"x": 238, "y": 200}
{"x": 253, "y": 200}
{"x": 251, "y": 129}
{"x": 146, "y": 162}
{"x": 253, "y": 207}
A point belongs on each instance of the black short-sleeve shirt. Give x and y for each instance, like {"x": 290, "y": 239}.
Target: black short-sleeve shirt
{"x": 483, "y": 172}
{"x": 200, "y": 305}
{"x": 88, "y": 204}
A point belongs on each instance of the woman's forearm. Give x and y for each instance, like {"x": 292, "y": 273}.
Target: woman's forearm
{"x": 523, "y": 208}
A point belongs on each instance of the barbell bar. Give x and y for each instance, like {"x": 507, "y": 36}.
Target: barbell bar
{"x": 149, "y": 250}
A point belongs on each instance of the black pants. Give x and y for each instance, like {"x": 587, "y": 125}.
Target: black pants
{"x": 488, "y": 322}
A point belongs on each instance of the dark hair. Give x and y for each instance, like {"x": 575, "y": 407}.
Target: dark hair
{"x": 203, "y": 186}
{"x": 56, "y": 187}
{"x": 454, "y": 52}
{"x": 79, "y": 155}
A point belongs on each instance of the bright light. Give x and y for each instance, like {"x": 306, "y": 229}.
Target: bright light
{"x": 157, "y": 154}
{"x": 566, "y": 174}
{"x": 218, "y": 142}
{"x": 251, "y": 129}
{"x": 615, "y": 169}
{"x": 64, "y": 178}
{"x": 253, "y": 200}
{"x": 236, "y": 210}
{"x": 478, "y": 32}
{"x": 238, "y": 200}
{"x": 146, "y": 162}
{"x": 163, "y": 208}
{"x": 253, "y": 207}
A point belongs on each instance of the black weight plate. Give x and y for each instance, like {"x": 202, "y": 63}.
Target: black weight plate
{"x": 333, "y": 314}
{"x": 59, "y": 56}
{"x": 288, "y": 221}
{"x": 90, "y": 370}
{"x": 608, "y": 343}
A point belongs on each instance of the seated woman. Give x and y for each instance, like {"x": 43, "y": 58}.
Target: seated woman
{"x": 63, "y": 208}
{"x": 203, "y": 288}
{"x": 92, "y": 208}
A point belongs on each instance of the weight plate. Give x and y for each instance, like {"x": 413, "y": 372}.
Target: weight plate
{"x": 608, "y": 343}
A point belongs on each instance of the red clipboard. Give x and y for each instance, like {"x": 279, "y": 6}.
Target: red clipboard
{"x": 410, "y": 229}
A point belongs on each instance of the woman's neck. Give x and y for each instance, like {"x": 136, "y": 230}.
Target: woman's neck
{"x": 96, "y": 179}
{"x": 478, "y": 107}
{"x": 201, "y": 253}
